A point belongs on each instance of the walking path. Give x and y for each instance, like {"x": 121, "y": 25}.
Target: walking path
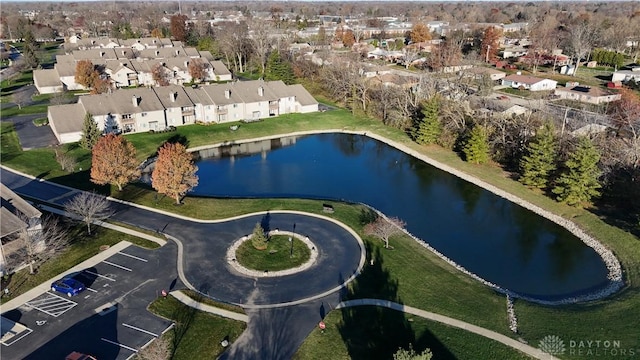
{"x": 180, "y": 296}
{"x": 529, "y": 350}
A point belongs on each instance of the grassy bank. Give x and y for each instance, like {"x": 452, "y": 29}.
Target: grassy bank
{"x": 196, "y": 335}
{"x": 359, "y": 333}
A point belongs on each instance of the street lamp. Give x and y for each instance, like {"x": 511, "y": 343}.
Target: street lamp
{"x": 291, "y": 240}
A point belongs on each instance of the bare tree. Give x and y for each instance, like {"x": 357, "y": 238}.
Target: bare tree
{"x": 260, "y": 38}
{"x": 89, "y": 207}
{"x": 158, "y": 349}
{"x": 384, "y": 228}
{"x": 21, "y": 98}
{"x": 67, "y": 162}
{"x": 582, "y": 36}
{"x": 40, "y": 243}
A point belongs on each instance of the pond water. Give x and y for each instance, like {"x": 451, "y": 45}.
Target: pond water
{"x": 489, "y": 236}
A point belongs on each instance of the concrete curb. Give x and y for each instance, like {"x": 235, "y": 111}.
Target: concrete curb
{"x": 180, "y": 296}
{"x": 529, "y": 350}
{"x": 46, "y": 286}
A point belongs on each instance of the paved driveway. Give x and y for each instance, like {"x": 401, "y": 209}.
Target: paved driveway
{"x": 31, "y": 136}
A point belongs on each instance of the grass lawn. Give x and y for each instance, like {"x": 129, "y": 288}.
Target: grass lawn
{"x": 197, "y": 335}
{"x": 275, "y": 257}
{"x": 376, "y": 333}
{"x": 205, "y": 300}
{"x": 82, "y": 247}
{"x": 41, "y": 121}
{"x": 32, "y": 109}
{"x": 8, "y": 86}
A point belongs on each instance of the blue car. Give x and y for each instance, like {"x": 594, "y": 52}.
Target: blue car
{"x": 67, "y": 286}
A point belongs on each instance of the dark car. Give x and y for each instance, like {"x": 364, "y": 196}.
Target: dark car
{"x": 68, "y": 286}
{"x": 79, "y": 356}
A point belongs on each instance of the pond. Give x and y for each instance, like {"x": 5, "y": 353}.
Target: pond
{"x": 488, "y": 235}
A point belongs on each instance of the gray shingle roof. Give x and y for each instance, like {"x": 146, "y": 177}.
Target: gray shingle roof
{"x": 249, "y": 91}
{"x": 46, "y": 77}
{"x": 302, "y": 95}
{"x": 219, "y": 68}
{"x": 180, "y": 98}
{"x": 121, "y": 102}
{"x": 67, "y": 118}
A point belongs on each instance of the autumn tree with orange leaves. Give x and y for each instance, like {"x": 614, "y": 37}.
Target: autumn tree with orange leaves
{"x": 85, "y": 73}
{"x": 490, "y": 47}
{"x": 197, "y": 69}
{"x": 174, "y": 174}
{"x": 113, "y": 161}
{"x": 160, "y": 75}
{"x": 419, "y": 33}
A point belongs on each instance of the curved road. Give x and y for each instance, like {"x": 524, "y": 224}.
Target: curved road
{"x": 273, "y": 332}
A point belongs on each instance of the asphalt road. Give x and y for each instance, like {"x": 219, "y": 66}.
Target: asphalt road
{"x": 272, "y": 333}
{"x": 31, "y": 136}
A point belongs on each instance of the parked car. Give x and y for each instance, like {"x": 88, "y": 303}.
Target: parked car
{"x": 68, "y": 286}
{"x": 79, "y": 356}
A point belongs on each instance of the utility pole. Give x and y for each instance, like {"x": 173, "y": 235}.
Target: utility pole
{"x": 488, "y": 49}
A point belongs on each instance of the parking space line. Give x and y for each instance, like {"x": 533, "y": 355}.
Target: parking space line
{"x": 132, "y": 256}
{"x": 92, "y": 290}
{"x": 121, "y": 345}
{"x": 15, "y": 333}
{"x": 52, "y": 304}
{"x": 99, "y": 275}
{"x": 116, "y": 265}
{"x": 138, "y": 329}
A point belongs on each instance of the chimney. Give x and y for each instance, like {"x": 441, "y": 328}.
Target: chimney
{"x": 157, "y": 52}
{"x": 102, "y": 53}
{"x": 261, "y": 91}
{"x": 177, "y": 52}
{"x": 227, "y": 93}
{"x": 172, "y": 96}
{"x": 134, "y": 100}
{"x": 186, "y": 64}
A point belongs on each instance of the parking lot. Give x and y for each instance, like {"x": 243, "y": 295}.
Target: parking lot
{"x": 108, "y": 320}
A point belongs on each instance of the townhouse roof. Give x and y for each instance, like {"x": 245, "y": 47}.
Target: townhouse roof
{"x": 207, "y": 55}
{"x": 96, "y": 41}
{"x": 524, "y": 79}
{"x": 191, "y": 51}
{"x": 93, "y": 54}
{"x": 199, "y": 95}
{"x": 148, "y": 41}
{"x": 219, "y": 68}
{"x": 181, "y": 63}
{"x": 173, "y": 96}
{"x": 46, "y": 77}
{"x": 162, "y": 53}
{"x": 67, "y": 118}
{"x": 218, "y": 94}
{"x": 302, "y": 95}
{"x": 249, "y": 91}
{"x": 14, "y": 203}
{"x": 280, "y": 88}
{"x": 66, "y": 68}
{"x": 121, "y": 102}
{"x": 10, "y": 223}
{"x": 116, "y": 65}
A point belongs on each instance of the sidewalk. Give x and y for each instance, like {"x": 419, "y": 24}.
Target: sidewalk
{"x": 180, "y": 296}
{"x": 529, "y": 350}
{"x": 46, "y": 286}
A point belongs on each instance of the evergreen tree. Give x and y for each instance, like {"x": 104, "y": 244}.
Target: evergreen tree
{"x": 259, "y": 238}
{"x": 579, "y": 182}
{"x": 476, "y": 148}
{"x": 537, "y": 166}
{"x": 30, "y": 48}
{"x": 427, "y": 129}
{"x": 278, "y": 69}
{"x": 90, "y": 132}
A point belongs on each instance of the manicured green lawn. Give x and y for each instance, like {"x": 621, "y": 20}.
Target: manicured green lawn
{"x": 196, "y": 335}
{"x": 276, "y": 256}
{"x": 41, "y": 121}
{"x": 376, "y": 333}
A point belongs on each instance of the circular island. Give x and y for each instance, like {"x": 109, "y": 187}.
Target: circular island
{"x": 283, "y": 253}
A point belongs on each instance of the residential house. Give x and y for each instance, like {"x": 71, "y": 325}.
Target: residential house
{"x": 145, "y": 109}
{"x": 479, "y": 72}
{"x": 514, "y": 52}
{"x": 626, "y": 75}
{"x": 121, "y": 73}
{"x": 515, "y": 27}
{"x": 47, "y": 81}
{"x": 586, "y": 94}
{"x": 17, "y": 217}
{"x": 532, "y": 83}
{"x": 179, "y": 109}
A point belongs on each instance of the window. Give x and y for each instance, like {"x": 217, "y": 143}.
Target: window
{"x": 222, "y": 117}
{"x": 126, "y": 116}
{"x": 143, "y": 114}
{"x": 235, "y": 106}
